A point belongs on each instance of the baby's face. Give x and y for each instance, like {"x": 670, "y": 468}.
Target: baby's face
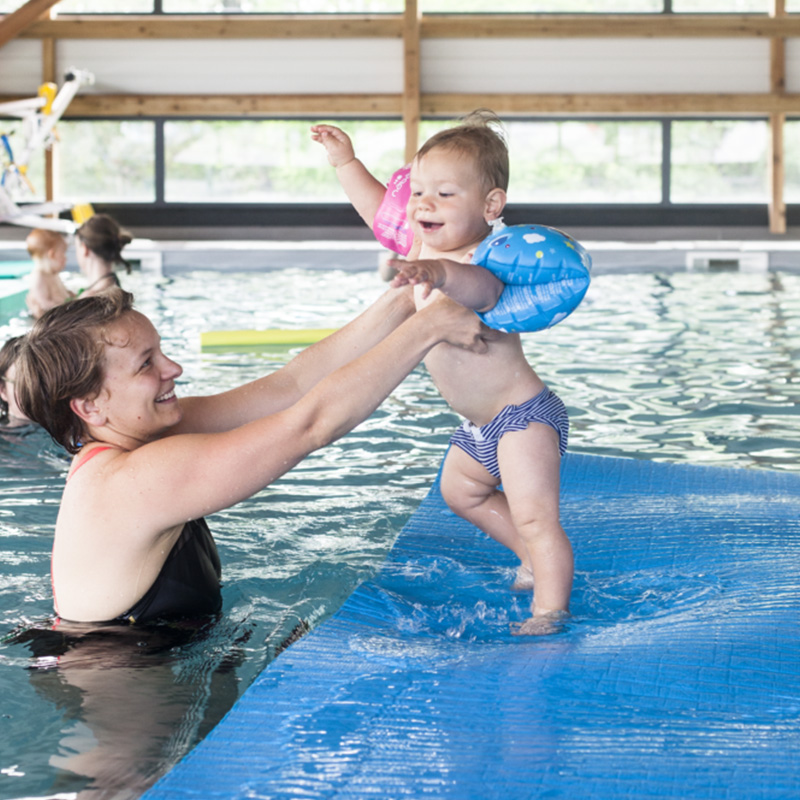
{"x": 57, "y": 256}
{"x": 448, "y": 202}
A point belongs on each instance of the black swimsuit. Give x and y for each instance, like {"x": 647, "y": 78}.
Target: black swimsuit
{"x": 188, "y": 583}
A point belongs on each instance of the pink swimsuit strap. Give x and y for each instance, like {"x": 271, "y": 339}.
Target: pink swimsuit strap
{"x": 83, "y": 459}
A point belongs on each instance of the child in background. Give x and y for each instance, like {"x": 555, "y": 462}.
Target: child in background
{"x": 48, "y": 250}
{"x": 516, "y": 429}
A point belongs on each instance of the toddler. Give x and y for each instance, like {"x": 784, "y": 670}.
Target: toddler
{"x": 48, "y": 250}
{"x": 516, "y": 429}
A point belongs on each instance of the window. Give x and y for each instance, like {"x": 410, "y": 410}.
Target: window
{"x": 104, "y": 7}
{"x": 283, "y": 6}
{"x": 719, "y": 161}
{"x": 585, "y": 162}
{"x": 106, "y": 162}
{"x": 575, "y": 162}
{"x": 272, "y": 161}
{"x": 791, "y": 161}
{"x": 88, "y": 6}
{"x": 541, "y": 6}
{"x": 721, "y": 6}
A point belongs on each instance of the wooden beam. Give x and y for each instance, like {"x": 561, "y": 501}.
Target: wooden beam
{"x": 214, "y": 26}
{"x": 199, "y": 105}
{"x": 444, "y": 26}
{"x": 51, "y": 154}
{"x": 777, "y": 204}
{"x": 449, "y": 105}
{"x": 777, "y": 67}
{"x": 13, "y": 24}
{"x": 645, "y": 26}
{"x": 411, "y": 77}
{"x": 431, "y": 105}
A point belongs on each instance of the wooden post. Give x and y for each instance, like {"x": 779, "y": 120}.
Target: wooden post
{"x": 50, "y": 155}
{"x": 411, "y": 83}
{"x": 777, "y": 206}
{"x": 17, "y": 21}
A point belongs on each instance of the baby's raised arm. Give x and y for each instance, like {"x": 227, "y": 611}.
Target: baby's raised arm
{"x": 468, "y": 284}
{"x": 362, "y": 188}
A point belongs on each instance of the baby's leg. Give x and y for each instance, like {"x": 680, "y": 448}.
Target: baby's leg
{"x": 470, "y": 490}
{"x": 530, "y": 465}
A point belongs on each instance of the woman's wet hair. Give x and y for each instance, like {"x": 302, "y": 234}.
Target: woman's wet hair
{"x": 62, "y": 358}
{"x": 104, "y": 237}
{"x": 9, "y": 353}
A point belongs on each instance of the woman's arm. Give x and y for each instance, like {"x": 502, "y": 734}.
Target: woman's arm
{"x": 287, "y": 385}
{"x": 183, "y": 477}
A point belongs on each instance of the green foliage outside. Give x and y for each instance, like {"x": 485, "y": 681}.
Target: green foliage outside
{"x": 720, "y": 161}
{"x": 791, "y": 143}
{"x": 275, "y": 161}
{"x": 106, "y": 161}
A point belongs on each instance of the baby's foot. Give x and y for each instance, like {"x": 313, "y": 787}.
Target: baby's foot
{"x": 544, "y": 625}
{"x": 524, "y": 579}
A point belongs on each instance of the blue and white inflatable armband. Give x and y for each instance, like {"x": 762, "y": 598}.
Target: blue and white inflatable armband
{"x": 545, "y": 271}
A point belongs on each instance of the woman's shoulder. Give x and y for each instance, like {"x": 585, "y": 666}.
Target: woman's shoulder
{"x": 87, "y": 453}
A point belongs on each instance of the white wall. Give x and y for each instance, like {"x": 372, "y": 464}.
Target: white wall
{"x": 793, "y": 65}
{"x": 246, "y": 66}
{"x": 20, "y": 67}
{"x": 375, "y": 65}
{"x": 595, "y": 65}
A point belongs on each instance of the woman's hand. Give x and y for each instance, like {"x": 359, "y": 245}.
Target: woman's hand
{"x": 458, "y": 326}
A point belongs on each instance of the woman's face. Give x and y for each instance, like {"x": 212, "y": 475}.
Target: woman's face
{"x": 138, "y": 396}
{"x": 9, "y": 395}
{"x": 81, "y": 254}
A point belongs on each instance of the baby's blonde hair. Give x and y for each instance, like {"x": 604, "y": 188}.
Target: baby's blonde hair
{"x": 479, "y": 136}
{"x": 40, "y": 241}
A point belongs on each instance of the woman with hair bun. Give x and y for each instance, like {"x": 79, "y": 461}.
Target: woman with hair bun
{"x": 98, "y": 246}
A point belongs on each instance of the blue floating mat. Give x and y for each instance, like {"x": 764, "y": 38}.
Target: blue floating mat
{"x": 678, "y": 675}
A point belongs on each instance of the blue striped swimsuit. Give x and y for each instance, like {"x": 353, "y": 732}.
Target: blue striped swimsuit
{"x": 481, "y": 442}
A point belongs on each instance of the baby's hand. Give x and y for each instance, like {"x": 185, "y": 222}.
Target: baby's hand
{"x": 336, "y": 142}
{"x": 430, "y": 274}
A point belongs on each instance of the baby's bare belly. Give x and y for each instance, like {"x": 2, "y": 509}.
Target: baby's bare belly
{"x": 479, "y": 386}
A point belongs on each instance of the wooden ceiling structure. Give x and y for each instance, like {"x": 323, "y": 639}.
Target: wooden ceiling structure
{"x": 33, "y": 20}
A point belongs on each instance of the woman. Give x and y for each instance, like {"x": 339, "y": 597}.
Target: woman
{"x": 98, "y": 248}
{"x": 130, "y": 541}
{"x": 10, "y": 414}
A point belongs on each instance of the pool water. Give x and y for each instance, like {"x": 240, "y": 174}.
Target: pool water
{"x": 678, "y": 366}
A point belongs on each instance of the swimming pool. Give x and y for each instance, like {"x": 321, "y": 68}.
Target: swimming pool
{"x": 674, "y": 366}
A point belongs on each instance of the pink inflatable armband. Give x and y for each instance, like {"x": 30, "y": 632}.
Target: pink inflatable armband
{"x": 391, "y": 226}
